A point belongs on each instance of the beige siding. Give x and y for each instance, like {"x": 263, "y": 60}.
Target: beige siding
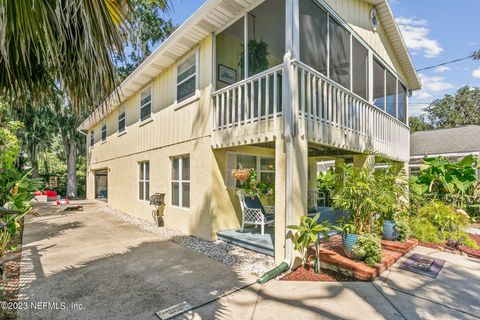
{"x": 171, "y": 124}
{"x": 357, "y": 14}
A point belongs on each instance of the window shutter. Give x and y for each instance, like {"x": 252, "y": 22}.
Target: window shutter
{"x": 231, "y": 165}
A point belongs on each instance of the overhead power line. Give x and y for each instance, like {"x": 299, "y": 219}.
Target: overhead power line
{"x": 473, "y": 55}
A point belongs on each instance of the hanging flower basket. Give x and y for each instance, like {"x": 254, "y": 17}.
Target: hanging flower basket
{"x": 241, "y": 174}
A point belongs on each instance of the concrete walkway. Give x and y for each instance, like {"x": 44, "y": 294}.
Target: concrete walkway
{"x": 111, "y": 269}
{"x": 114, "y": 270}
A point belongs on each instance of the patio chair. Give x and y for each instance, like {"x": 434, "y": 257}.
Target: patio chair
{"x": 253, "y": 212}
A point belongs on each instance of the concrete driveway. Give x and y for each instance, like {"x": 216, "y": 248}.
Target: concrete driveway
{"x": 109, "y": 268}
{"x": 113, "y": 270}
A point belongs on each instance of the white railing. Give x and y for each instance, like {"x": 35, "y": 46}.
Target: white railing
{"x": 247, "y": 111}
{"x": 335, "y": 117}
{"x": 250, "y": 111}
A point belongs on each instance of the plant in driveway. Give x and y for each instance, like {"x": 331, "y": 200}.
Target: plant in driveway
{"x": 307, "y": 234}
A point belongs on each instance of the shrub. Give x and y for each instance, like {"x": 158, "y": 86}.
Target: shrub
{"x": 424, "y": 231}
{"x": 444, "y": 217}
{"x": 402, "y": 229}
{"x": 369, "y": 248}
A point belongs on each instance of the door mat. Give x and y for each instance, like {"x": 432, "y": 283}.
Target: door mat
{"x": 424, "y": 265}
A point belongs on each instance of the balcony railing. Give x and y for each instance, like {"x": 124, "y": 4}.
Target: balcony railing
{"x": 336, "y": 117}
{"x": 250, "y": 111}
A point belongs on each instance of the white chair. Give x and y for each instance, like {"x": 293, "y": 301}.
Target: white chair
{"x": 253, "y": 212}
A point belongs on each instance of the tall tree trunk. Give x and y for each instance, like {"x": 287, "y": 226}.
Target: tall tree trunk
{"x": 34, "y": 162}
{"x": 72, "y": 170}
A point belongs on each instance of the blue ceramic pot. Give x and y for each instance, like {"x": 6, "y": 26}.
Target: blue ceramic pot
{"x": 389, "y": 232}
{"x": 348, "y": 241}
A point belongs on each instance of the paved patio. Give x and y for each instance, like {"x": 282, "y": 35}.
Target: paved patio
{"x": 114, "y": 270}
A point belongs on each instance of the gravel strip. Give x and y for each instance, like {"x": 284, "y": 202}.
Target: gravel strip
{"x": 242, "y": 260}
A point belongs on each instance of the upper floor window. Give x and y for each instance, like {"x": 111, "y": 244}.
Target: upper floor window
{"x": 121, "y": 119}
{"x": 146, "y": 104}
{"x": 181, "y": 181}
{"x": 104, "y": 132}
{"x": 92, "y": 138}
{"x": 187, "y": 78}
{"x": 144, "y": 180}
{"x": 402, "y": 103}
{"x": 378, "y": 85}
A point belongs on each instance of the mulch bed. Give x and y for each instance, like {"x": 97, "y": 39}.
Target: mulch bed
{"x": 306, "y": 273}
{"x": 9, "y": 287}
{"x": 472, "y": 253}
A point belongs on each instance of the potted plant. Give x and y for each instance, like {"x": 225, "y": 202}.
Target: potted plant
{"x": 306, "y": 235}
{"x": 392, "y": 195}
{"x": 356, "y": 193}
{"x": 241, "y": 174}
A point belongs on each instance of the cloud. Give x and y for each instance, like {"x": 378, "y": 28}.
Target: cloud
{"x": 435, "y": 83}
{"x": 416, "y": 35}
{"x": 430, "y": 87}
{"x": 441, "y": 69}
{"x": 476, "y": 73}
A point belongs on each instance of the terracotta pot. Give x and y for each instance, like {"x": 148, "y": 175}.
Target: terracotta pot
{"x": 241, "y": 174}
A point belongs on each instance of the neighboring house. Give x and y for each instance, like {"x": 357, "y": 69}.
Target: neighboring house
{"x": 451, "y": 143}
{"x": 328, "y": 80}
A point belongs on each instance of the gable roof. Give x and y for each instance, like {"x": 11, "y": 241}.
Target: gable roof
{"x": 213, "y": 16}
{"x": 444, "y": 141}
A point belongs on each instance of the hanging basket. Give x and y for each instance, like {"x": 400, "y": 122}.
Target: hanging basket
{"x": 241, "y": 174}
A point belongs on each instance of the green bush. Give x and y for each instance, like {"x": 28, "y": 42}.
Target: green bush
{"x": 403, "y": 230}
{"x": 444, "y": 217}
{"x": 369, "y": 248}
{"x": 424, "y": 231}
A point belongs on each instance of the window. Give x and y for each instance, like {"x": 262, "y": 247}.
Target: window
{"x": 92, "y": 138}
{"x": 121, "y": 119}
{"x": 378, "y": 85}
{"x": 146, "y": 104}
{"x": 339, "y": 54}
{"x": 391, "y": 98}
{"x": 265, "y": 167}
{"x": 359, "y": 69}
{"x": 187, "y": 78}
{"x": 104, "y": 132}
{"x": 144, "y": 180}
{"x": 313, "y": 36}
{"x": 181, "y": 182}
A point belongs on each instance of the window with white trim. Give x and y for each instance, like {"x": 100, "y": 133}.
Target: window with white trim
{"x": 187, "y": 78}
{"x": 144, "y": 180}
{"x": 181, "y": 181}
{"x": 146, "y": 104}
{"x": 265, "y": 167}
{"x": 92, "y": 138}
{"x": 104, "y": 132}
{"x": 121, "y": 119}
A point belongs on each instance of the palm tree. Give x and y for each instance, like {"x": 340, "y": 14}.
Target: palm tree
{"x": 68, "y": 43}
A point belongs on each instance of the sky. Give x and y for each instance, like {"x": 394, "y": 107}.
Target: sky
{"x": 435, "y": 31}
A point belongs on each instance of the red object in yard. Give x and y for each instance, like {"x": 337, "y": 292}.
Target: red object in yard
{"x": 38, "y": 193}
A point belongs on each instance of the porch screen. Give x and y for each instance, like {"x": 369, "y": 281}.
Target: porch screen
{"x": 339, "y": 54}
{"x": 391, "y": 90}
{"x": 313, "y": 36}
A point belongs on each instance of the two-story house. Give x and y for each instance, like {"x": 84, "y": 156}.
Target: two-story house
{"x": 274, "y": 85}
